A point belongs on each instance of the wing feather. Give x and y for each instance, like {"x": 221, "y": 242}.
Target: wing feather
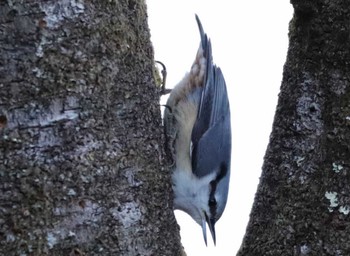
{"x": 211, "y": 134}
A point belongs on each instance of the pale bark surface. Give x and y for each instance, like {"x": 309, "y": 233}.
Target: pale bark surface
{"x": 303, "y": 199}
{"x": 81, "y": 144}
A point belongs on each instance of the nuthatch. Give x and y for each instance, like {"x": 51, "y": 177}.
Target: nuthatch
{"x": 198, "y": 131}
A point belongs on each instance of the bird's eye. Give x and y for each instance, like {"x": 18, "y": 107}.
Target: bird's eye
{"x": 212, "y": 201}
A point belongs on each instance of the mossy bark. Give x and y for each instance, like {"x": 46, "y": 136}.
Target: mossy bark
{"x": 82, "y": 165}
{"x": 303, "y": 199}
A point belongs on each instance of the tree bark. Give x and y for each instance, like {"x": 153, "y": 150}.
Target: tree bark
{"x": 302, "y": 203}
{"x": 82, "y": 165}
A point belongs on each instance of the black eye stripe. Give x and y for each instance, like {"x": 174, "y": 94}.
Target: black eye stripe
{"x": 222, "y": 172}
{"x": 212, "y": 201}
{"x": 213, "y": 184}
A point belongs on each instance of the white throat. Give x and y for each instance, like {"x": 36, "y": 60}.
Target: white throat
{"x": 191, "y": 194}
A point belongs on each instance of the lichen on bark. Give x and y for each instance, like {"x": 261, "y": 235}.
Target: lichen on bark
{"x": 301, "y": 204}
{"x": 82, "y": 166}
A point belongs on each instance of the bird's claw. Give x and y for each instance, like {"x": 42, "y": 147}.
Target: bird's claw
{"x": 164, "y": 73}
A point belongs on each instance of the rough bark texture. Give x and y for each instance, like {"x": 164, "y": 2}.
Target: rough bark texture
{"x": 81, "y": 144}
{"x": 303, "y": 201}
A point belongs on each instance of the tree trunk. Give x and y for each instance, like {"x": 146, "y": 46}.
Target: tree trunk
{"x": 81, "y": 139}
{"x": 303, "y": 200}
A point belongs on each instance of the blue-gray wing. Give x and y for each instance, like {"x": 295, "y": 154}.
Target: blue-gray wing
{"x": 211, "y": 134}
{"x": 212, "y": 147}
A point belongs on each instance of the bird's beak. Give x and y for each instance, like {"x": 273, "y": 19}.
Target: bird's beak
{"x": 204, "y": 228}
{"x": 211, "y": 224}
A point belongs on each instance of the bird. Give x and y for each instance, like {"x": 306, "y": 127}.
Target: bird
{"x": 197, "y": 125}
